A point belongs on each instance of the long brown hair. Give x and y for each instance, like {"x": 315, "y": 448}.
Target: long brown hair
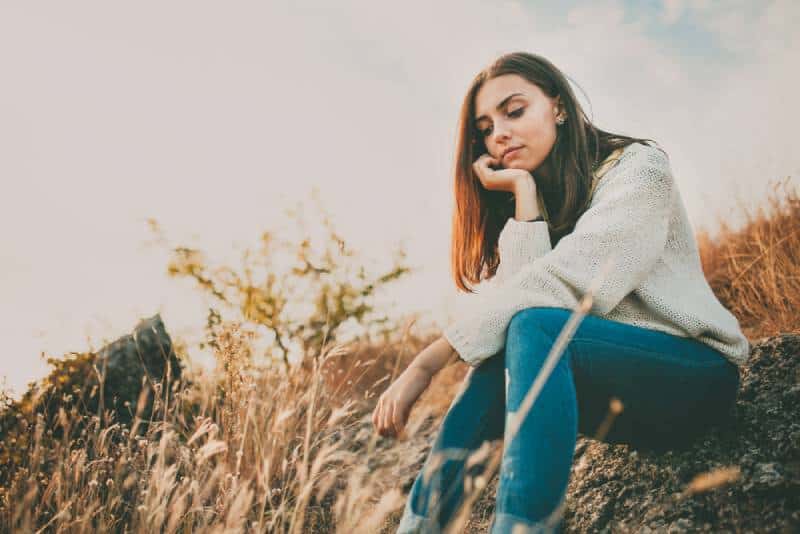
{"x": 480, "y": 214}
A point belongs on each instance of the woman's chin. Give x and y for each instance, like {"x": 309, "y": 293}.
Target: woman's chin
{"x": 515, "y": 164}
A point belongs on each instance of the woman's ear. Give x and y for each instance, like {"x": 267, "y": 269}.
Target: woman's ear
{"x": 557, "y": 103}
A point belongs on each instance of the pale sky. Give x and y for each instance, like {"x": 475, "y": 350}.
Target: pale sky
{"x": 213, "y": 117}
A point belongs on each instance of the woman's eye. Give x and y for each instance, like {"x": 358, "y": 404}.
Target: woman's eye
{"x": 516, "y": 113}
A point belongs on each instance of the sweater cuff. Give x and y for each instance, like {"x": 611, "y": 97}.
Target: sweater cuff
{"x": 459, "y": 341}
{"x": 521, "y": 242}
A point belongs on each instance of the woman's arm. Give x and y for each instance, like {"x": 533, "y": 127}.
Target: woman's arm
{"x": 394, "y": 405}
{"x": 435, "y": 356}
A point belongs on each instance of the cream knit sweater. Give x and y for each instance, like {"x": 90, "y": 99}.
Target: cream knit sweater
{"x": 637, "y": 228}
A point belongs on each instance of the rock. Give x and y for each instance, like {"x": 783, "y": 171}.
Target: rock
{"x": 125, "y": 364}
{"x": 615, "y": 489}
{"x": 144, "y": 356}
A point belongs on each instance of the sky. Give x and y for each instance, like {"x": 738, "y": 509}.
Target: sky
{"x": 213, "y": 118}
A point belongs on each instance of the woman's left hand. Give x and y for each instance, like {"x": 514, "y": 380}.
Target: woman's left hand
{"x": 502, "y": 179}
{"x": 394, "y": 405}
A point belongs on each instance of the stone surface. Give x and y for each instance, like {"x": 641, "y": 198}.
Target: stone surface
{"x": 143, "y": 354}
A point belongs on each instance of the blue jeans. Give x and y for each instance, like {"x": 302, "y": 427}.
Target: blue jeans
{"x": 672, "y": 389}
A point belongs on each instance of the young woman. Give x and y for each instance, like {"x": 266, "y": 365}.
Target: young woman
{"x": 551, "y": 208}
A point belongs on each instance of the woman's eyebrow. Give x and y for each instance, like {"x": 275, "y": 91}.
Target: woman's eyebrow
{"x": 501, "y": 104}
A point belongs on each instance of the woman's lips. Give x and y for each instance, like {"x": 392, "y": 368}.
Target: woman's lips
{"x": 512, "y": 152}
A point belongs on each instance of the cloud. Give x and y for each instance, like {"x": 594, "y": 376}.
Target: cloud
{"x": 672, "y": 10}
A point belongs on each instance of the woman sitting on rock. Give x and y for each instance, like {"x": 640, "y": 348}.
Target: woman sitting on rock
{"x": 569, "y": 224}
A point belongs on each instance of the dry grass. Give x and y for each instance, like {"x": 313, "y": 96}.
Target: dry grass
{"x": 260, "y": 454}
{"x": 753, "y": 271}
{"x": 254, "y": 449}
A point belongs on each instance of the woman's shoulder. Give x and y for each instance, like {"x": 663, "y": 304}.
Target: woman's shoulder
{"x": 638, "y": 157}
{"x": 650, "y": 154}
{"x": 638, "y": 166}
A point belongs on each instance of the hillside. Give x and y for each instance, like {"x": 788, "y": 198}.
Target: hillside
{"x": 130, "y": 439}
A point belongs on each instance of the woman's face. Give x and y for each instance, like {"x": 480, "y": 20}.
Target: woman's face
{"x": 511, "y": 113}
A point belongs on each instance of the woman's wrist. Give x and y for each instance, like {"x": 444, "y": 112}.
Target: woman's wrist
{"x": 524, "y": 184}
{"x": 526, "y": 207}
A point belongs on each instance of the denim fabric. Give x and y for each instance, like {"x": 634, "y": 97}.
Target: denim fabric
{"x": 672, "y": 389}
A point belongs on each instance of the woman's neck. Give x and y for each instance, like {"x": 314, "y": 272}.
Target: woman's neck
{"x": 543, "y": 172}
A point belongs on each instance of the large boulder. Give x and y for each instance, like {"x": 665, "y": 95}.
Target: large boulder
{"x": 755, "y": 461}
{"x": 143, "y": 358}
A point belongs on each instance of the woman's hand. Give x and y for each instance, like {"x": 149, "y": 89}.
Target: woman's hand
{"x": 499, "y": 180}
{"x": 395, "y": 403}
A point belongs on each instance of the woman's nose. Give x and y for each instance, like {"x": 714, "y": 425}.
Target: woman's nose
{"x": 500, "y": 132}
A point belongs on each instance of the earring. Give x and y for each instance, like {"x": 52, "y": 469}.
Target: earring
{"x": 559, "y": 119}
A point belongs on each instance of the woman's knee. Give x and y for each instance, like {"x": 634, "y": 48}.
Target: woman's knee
{"x": 546, "y": 319}
{"x": 531, "y": 334}
{"x": 528, "y": 345}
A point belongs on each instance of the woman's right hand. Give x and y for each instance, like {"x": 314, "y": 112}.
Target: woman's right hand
{"x": 501, "y": 179}
{"x": 394, "y": 405}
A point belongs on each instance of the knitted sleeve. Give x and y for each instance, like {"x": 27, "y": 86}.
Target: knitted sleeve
{"x": 519, "y": 243}
{"x": 620, "y": 236}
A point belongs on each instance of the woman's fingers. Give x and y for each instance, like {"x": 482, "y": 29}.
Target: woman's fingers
{"x": 482, "y": 165}
{"x": 487, "y": 160}
{"x": 484, "y": 160}
{"x": 399, "y": 420}
{"x": 482, "y": 169}
{"x": 377, "y": 417}
{"x": 387, "y": 420}
{"x": 395, "y": 419}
